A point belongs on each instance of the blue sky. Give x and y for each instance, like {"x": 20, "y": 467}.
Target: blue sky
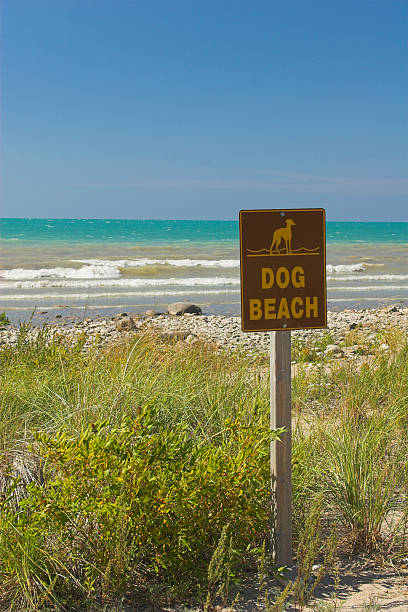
{"x": 196, "y": 109}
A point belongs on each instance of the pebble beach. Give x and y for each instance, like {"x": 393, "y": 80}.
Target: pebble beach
{"x": 223, "y": 332}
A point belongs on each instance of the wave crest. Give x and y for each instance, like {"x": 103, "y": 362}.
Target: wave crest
{"x": 139, "y": 283}
{"x": 179, "y": 263}
{"x": 89, "y": 272}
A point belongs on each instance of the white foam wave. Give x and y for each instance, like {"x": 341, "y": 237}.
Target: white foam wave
{"x": 370, "y": 277}
{"x": 139, "y": 283}
{"x": 383, "y": 298}
{"x": 146, "y": 261}
{"x": 331, "y": 269}
{"x": 92, "y": 271}
{"x": 107, "y": 269}
{"x": 110, "y": 295}
{"x": 370, "y": 288}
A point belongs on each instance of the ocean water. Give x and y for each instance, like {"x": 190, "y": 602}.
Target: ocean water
{"x": 97, "y": 266}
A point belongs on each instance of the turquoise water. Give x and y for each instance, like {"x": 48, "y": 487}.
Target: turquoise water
{"x": 161, "y": 231}
{"x": 91, "y": 266}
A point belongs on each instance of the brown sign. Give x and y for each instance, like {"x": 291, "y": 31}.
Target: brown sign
{"x": 283, "y": 269}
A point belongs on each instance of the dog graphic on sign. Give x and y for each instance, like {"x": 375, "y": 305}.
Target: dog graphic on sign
{"x": 282, "y": 244}
{"x": 283, "y": 234}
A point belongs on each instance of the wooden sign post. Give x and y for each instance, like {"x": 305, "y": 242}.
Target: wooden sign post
{"x": 283, "y": 287}
{"x": 281, "y": 452}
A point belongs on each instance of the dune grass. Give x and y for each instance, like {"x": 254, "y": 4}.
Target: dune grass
{"x": 144, "y": 456}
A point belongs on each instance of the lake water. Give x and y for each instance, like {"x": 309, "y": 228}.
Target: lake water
{"x": 91, "y": 266}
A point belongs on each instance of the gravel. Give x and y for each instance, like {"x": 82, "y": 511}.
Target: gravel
{"x": 221, "y": 331}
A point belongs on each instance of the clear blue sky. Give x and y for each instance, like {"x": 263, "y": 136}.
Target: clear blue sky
{"x": 195, "y": 109}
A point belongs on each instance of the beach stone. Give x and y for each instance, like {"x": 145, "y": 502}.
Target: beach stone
{"x": 333, "y": 349}
{"x": 152, "y": 313}
{"x": 125, "y": 324}
{"x": 223, "y": 332}
{"x": 180, "y": 308}
{"x": 119, "y": 316}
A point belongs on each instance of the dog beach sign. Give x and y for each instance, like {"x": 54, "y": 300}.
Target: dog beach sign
{"x": 283, "y": 287}
{"x": 283, "y": 269}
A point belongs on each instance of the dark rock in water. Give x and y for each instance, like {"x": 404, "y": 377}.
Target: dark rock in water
{"x": 58, "y": 316}
{"x": 180, "y": 308}
{"x": 152, "y": 313}
{"x": 125, "y": 324}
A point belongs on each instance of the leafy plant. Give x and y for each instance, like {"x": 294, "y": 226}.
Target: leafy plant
{"x": 134, "y": 503}
{"x": 310, "y": 348}
{"x": 219, "y": 571}
{"x": 4, "y": 320}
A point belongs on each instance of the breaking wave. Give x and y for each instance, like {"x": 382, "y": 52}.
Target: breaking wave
{"x": 370, "y": 288}
{"x": 179, "y": 263}
{"x": 138, "y": 283}
{"x": 370, "y": 277}
{"x": 92, "y": 271}
{"x": 87, "y": 296}
{"x": 330, "y": 269}
{"x": 106, "y": 269}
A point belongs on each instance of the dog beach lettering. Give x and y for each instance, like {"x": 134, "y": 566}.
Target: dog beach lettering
{"x": 283, "y": 280}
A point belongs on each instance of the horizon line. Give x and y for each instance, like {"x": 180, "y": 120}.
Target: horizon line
{"x": 170, "y": 219}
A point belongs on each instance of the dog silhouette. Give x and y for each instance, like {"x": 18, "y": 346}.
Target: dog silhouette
{"x": 285, "y": 234}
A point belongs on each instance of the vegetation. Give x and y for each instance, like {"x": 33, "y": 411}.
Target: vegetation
{"x": 4, "y": 320}
{"x": 140, "y": 472}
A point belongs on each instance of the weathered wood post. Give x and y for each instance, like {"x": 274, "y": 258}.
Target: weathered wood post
{"x": 281, "y": 451}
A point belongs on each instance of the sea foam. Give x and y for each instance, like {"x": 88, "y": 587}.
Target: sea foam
{"x": 370, "y": 288}
{"x": 369, "y": 277}
{"x": 110, "y": 270}
{"x": 111, "y": 295}
{"x": 139, "y": 283}
{"x": 146, "y": 261}
{"x": 358, "y": 267}
{"x": 92, "y": 271}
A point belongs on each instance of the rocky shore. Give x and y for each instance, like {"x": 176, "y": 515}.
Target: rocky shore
{"x": 349, "y": 332}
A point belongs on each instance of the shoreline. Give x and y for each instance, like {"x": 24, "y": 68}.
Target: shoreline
{"x": 335, "y": 341}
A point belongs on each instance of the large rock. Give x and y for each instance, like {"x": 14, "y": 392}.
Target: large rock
{"x": 180, "y": 308}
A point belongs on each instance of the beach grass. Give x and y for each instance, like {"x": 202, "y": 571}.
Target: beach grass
{"x": 139, "y": 471}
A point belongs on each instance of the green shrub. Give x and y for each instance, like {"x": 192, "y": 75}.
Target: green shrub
{"x": 4, "y": 320}
{"x": 126, "y": 506}
{"x": 311, "y": 347}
